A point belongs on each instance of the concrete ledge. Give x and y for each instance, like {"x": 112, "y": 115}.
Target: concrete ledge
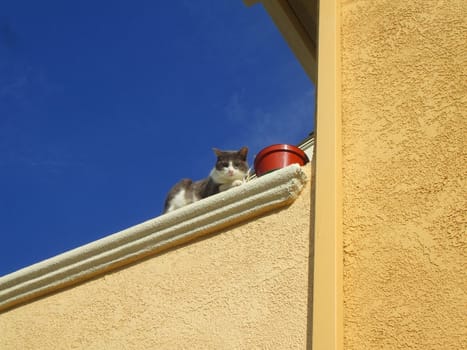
{"x": 264, "y": 194}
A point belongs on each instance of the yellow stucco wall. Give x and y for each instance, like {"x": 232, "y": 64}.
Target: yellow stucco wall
{"x": 243, "y": 288}
{"x": 404, "y": 117}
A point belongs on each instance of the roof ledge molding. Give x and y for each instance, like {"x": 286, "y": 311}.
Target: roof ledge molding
{"x": 264, "y": 194}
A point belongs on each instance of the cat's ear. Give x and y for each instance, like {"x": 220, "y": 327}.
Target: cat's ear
{"x": 243, "y": 152}
{"x": 217, "y": 151}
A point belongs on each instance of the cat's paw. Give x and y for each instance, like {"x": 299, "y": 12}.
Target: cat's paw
{"x": 225, "y": 187}
{"x": 237, "y": 183}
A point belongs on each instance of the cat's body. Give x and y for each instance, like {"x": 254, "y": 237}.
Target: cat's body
{"x": 229, "y": 171}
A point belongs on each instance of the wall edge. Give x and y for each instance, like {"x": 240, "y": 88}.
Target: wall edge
{"x": 264, "y": 194}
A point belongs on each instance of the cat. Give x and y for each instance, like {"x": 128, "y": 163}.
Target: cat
{"x": 230, "y": 170}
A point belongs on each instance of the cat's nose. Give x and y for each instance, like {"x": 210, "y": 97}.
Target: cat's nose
{"x": 230, "y": 172}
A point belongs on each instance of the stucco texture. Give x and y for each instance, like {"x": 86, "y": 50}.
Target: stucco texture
{"x": 242, "y": 288}
{"x": 404, "y": 98}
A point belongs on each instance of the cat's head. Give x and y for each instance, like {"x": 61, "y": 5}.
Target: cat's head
{"x": 230, "y": 165}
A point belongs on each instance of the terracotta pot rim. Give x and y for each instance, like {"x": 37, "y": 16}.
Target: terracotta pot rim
{"x": 281, "y": 147}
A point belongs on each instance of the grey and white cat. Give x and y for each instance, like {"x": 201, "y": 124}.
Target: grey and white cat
{"x": 230, "y": 170}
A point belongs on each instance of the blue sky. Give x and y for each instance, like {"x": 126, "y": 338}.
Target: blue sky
{"x": 104, "y": 105}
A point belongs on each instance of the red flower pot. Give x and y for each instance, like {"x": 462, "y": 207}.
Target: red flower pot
{"x": 278, "y": 156}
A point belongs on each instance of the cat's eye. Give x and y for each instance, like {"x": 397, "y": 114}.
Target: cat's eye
{"x": 225, "y": 164}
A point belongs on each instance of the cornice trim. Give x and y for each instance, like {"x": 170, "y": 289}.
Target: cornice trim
{"x": 256, "y": 197}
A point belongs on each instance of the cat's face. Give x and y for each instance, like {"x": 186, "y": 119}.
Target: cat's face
{"x": 230, "y": 165}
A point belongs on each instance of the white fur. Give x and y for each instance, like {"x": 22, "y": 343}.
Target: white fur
{"x": 179, "y": 200}
{"x": 238, "y": 182}
{"x": 227, "y": 186}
